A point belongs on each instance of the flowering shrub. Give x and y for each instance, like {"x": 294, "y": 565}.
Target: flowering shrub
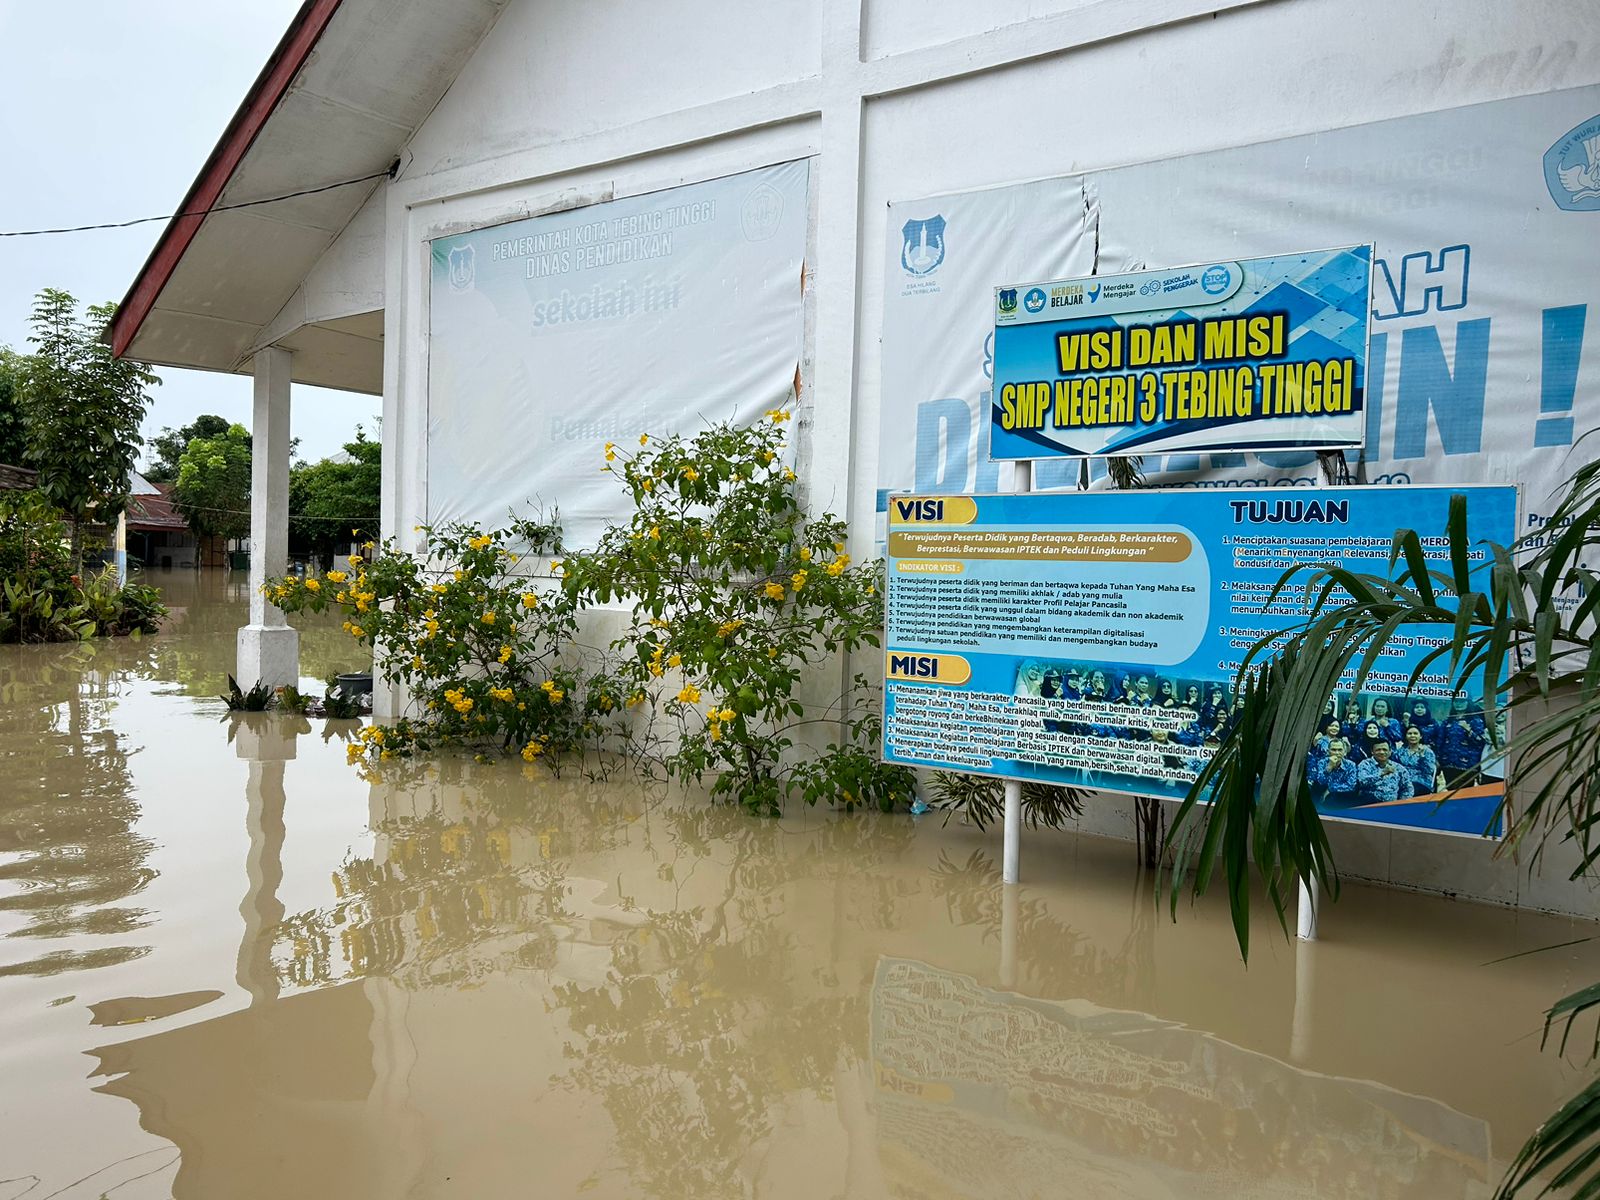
{"x": 484, "y": 647}
{"x": 737, "y": 595}
{"x": 735, "y": 598}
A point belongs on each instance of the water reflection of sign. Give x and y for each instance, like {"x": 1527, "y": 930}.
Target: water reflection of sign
{"x": 983, "y": 1093}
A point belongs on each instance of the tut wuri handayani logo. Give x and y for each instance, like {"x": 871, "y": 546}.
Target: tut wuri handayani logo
{"x": 922, "y": 245}
{"x": 1572, "y": 168}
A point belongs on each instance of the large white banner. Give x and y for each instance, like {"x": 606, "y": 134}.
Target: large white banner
{"x": 653, "y": 314}
{"x": 1486, "y": 221}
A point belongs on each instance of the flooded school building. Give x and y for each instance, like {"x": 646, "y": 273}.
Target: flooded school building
{"x": 559, "y": 225}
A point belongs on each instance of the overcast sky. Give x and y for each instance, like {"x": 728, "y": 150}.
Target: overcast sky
{"x": 107, "y": 112}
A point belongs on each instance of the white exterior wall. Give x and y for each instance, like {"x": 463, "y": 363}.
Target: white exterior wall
{"x": 572, "y": 101}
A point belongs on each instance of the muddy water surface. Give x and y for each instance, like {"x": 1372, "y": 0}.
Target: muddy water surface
{"x": 231, "y": 968}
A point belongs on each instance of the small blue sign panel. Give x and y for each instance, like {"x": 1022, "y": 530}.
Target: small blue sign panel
{"x": 1257, "y": 354}
{"x": 1093, "y": 640}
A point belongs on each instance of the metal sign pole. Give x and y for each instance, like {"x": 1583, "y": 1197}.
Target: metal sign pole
{"x": 1021, "y": 482}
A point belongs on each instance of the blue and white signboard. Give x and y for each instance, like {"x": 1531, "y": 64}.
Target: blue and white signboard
{"x": 1255, "y": 354}
{"x": 1093, "y": 639}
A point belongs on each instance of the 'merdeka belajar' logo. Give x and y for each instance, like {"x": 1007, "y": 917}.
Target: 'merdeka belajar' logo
{"x": 463, "y": 267}
{"x": 922, "y": 245}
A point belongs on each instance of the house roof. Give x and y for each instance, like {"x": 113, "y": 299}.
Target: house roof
{"x": 16, "y": 479}
{"x": 339, "y": 97}
{"x": 154, "y": 511}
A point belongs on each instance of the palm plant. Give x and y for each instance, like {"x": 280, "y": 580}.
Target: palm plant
{"x": 1524, "y": 630}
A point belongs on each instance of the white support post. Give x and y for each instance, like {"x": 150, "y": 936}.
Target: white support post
{"x": 1010, "y": 862}
{"x": 1307, "y": 931}
{"x": 268, "y": 649}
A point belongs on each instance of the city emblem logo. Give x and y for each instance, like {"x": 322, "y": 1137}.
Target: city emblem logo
{"x": 1034, "y": 300}
{"x": 1008, "y": 300}
{"x": 1572, "y": 168}
{"x": 922, "y": 246}
{"x": 463, "y": 268}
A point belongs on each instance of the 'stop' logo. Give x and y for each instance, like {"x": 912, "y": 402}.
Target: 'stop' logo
{"x": 1034, "y": 300}
{"x": 463, "y": 267}
{"x": 1007, "y": 300}
{"x": 1572, "y": 168}
{"x": 1215, "y": 280}
{"x": 922, "y": 246}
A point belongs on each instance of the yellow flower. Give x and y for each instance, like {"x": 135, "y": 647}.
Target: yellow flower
{"x": 772, "y": 652}
{"x": 611, "y": 455}
{"x": 503, "y": 694}
{"x": 837, "y": 567}
{"x": 357, "y": 631}
{"x": 805, "y": 553}
{"x": 352, "y": 752}
{"x": 729, "y": 627}
{"x": 376, "y": 736}
{"x": 644, "y": 439}
{"x": 775, "y": 591}
{"x": 337, "y": 577}
{"x": 635, "y": 700}
{"x": 726, "y": 714}
{"x": 439, "y": 589}
{"x": 532, "y": 750}
{"x": 647, "y": 484}
{"x": 798, "y": 580}
{"x": 691, "y": 474}
{"x": 788, "y": 475}
{"x": 487, "y": 618}
{"x": 505, "y": 655}
{"x": 767, "y": 456}
{"x": 313, "y": 585}
{"x": 716, "y": 732}
{"x": 675, "y": 661}
{"x": 550, "y": 689}
{"x": 416, "y": 663}
{"x": 777, "y": 416}
{"x": 354, "y": 560}
{"x": 655, "y": 533}
{"x": 690, "y": 694}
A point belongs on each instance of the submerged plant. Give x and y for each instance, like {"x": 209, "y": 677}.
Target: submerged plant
{"x": 735, "y": 597}
{"x": 1525, "y": 634}
{"x": 980, "y": 800}
{"x": 258, "y": 698}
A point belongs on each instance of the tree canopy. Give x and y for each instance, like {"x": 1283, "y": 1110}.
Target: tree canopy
{"x": 81, "y": 410}
{"x": 333, "y": 502}
{"x": 212, "y": 490}
{"x": 13, "y": 435}
{"x": 167, "y": 447}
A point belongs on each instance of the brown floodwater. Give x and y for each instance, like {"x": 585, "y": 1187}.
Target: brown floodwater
{"x": 229, "y": 967}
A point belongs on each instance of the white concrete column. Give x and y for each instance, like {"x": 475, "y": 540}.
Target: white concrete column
{"x": 269, "y": 651}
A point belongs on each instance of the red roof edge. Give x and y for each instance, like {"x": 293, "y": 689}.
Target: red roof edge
{"x": 269, "y": 88}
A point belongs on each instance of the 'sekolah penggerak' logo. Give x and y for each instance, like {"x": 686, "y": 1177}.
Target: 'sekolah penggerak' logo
{"x": 1572, "y": 168}
{"x": 922, "y": 245}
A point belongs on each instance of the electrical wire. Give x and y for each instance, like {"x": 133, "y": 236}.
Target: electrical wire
{"x": 327, "y": 187}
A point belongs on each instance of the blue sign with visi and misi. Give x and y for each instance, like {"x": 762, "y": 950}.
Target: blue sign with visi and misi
{"x": 1255, "y": 354}
{"x": 1093, "y": 640}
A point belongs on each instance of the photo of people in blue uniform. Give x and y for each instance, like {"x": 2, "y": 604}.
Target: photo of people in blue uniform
{"x": 1370, "y": 751}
